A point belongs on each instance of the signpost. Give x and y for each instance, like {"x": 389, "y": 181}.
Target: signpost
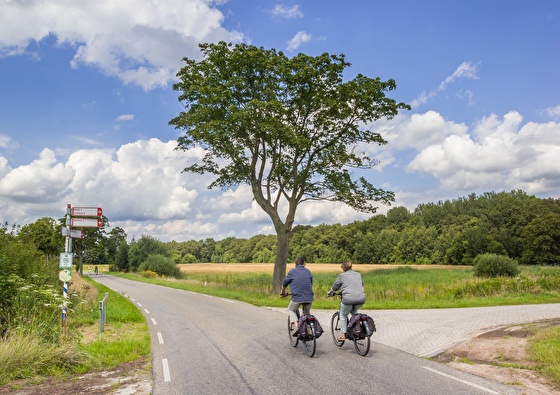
{"x": 87, "y": 222}
{"x": 73, "y": 233}
{"x": 86, "y": 211}
{"x": 65, "y": 260}
{"x": 88, "y": 217}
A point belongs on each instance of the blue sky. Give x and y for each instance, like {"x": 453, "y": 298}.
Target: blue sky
{"x": 86, "y": 97}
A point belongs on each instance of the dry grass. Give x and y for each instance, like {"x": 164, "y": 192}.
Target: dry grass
{"x": 81, "y": 288}
{"x": 267, "y": 268}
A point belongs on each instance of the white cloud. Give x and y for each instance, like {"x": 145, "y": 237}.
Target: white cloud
{"x": 7, "y": 142}
{"x": 465, "y": 70}
{"x": 468, "y": 95}
{"x": 300, "y": 38}
{"x": 501, "y": 154}
{"x": 287, "y": 12}
{"x": 42, "y": 181}
{"x": 142, "y": 47}
{"x": 125, "y": 117}
{"x": 419, "y": 130}
{"x": 553, "y": 112}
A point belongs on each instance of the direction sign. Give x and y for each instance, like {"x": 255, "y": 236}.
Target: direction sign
{"x": 73, "y": 233}
{"x": 87, "y": 222}
{"x": 65, "y": 260}
{"x": 86, "y": 211}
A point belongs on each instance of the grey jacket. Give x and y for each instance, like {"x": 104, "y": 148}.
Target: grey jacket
{"x": 351, "y": 286}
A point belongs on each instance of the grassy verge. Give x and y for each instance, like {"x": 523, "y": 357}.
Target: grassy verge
{"x": 545, "y": 351}
{"x": 27, "y": 355}
{"x": 125, "y": 338}
{"x": 398, "y": 288}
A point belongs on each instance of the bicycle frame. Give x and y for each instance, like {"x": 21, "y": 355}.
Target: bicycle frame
{"x": 361, "y": 344}
{"x": 309, "y": 341}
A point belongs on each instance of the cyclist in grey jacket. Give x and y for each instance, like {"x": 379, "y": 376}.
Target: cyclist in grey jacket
{"x": 353, "y": 296}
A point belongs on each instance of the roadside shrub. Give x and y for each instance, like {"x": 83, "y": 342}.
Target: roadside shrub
{"x": 494, "y": 265}
{"x": 161, "y": 265}
{"x": 149, "y": 274}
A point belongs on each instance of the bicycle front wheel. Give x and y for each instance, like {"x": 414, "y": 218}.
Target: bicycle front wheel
{"x": 335, "y": 329}
{"x": 362, "y": 345}
{"x": 293, "y": 339}
{"x": 311, "y": 344}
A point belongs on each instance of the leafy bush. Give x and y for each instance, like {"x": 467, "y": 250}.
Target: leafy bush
{"x": 162, "y": 265}
{"x": 149, "y": 274}
{"x": 494, "y": 265}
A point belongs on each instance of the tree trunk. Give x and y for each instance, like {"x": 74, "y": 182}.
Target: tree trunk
{"x": 283, "y": 242}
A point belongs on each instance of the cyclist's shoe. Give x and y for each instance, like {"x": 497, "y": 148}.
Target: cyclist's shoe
{"x": 342, "y": 337}
{"x": 295, "y": 332}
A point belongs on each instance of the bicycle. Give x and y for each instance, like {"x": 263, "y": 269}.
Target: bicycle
{"x": 362, "y": 341}
{"x": 309, "y": 340}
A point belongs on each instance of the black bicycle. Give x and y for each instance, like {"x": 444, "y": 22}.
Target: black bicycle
{"x": 308, "y": 338}
{"x": 360, "y": 337}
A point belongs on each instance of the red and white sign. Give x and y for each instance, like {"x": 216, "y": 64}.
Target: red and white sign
{"x": 86, "y": 211}
{"x": 87, "y": 222}
{"x": 73, "y": 233}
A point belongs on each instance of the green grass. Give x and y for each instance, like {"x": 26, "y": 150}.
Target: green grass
{"x": 25, "y": 354}
{"x": 126, "y": 336}
{"x": 545, "y": 351}
{"x": 401, "y": 288}
{"x": 32, "y": 353}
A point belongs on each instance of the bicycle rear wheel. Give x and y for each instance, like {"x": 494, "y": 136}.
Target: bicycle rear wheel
{"x": 335, "y": 329}
{"x": 362, "y": 345}
{"x": 311, "y": 344}
{"x": 293, "y": 339}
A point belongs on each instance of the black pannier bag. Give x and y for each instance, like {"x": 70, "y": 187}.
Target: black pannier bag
{"x": 304, "y": 332}
{"x": 360, "y": 326}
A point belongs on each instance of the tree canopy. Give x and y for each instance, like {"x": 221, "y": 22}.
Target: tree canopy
{"x": 288, "y": 127}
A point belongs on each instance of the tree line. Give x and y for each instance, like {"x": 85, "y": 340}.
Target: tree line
{"x": 523, "y": 227}
{"x": 515, "y": 224}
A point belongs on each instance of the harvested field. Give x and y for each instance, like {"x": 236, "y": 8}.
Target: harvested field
{"x": 314, "y": 267}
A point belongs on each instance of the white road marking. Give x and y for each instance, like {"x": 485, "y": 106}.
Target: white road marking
{"x": 132, "y": 299}
{"x": 154, "y": 321}
{"x": 166, "y": 375}
{"x": 147, "y": 312}
{"x": 139, "y": 304}
{"x": 160, "y": 338}
{"x": 228, "y": 300}
{"x": 462, "y": 381}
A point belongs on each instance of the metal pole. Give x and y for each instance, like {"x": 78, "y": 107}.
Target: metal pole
{"x": 102, "y": 314}
{"x": 67, "y": 249}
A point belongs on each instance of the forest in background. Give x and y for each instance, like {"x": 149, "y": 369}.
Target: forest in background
{"x": 523, "y": 227}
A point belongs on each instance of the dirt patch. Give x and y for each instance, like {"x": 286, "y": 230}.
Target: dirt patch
{"x": 132, "y": 378}
{"x": 502, "y": 355}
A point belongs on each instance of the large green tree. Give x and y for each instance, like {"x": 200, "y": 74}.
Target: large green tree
{"x": 44, "y": 235}
{"x": 140, "y": 251}
{"x": 288, "y": 127}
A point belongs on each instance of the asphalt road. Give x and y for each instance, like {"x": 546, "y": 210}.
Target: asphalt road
{"x": 210, "y": 345}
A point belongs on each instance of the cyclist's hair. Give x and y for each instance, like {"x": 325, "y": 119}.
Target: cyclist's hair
{"x": 346, "y": 265}
{"x": 299, "y": 261}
